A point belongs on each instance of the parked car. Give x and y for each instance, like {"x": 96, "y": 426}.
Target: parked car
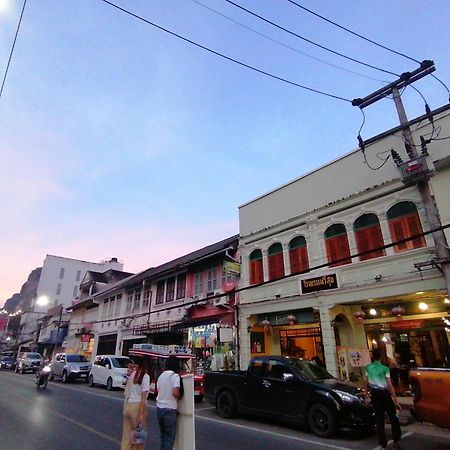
{"x": 70, "y": 367}
{"x": 431, "y": 394}
{"x": 28, "y": 361}
{"x": 293, "y": 390}
{"x": 8, "y": 363}
{"x": 109, "y": 370}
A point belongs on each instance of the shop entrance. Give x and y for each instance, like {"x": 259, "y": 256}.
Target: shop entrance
{"x": 304, "y": 343}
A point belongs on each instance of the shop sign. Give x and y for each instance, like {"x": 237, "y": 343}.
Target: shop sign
{"x": 406, "y": 324}
{"x": 323, "y": 283}
{"x": 224, "y": 334}
{"x": 231, "y": 267}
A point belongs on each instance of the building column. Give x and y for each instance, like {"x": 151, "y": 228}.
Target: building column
{"x": 386, "y": 236}
{"x": 286, "y": 259}
{"x": 265, "y": 259}
{"x": 329, "y": 342}
{"x": 351, "y": 242}
{"x": 118, "y": 350}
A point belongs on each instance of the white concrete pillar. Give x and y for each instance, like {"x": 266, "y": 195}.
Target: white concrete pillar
{"x": 118, "y": 350}
{"x": 351, "y": 242}
{"x": 386, "y": 235}
{"x": 286, "y": 259}
{"x": 329, "y": 342}
{"x": 265, "y": 259}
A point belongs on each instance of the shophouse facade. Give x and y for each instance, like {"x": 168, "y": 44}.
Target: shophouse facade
{"x": 188, "y": 301}
{"x": 84, "y": 312}
{"x": 314, "y": 295}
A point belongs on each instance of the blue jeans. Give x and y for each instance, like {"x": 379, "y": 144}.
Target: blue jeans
{"x": 167, "y": 420}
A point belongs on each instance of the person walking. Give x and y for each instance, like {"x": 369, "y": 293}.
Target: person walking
{"x": 135, "y": 405}
{"x": 383, "y": 398}
{"x": 168, "y": 386}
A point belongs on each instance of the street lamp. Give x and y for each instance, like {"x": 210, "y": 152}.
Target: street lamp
{"x": 42, "y": 300}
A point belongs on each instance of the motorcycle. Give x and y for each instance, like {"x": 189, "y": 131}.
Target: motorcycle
{"x": 42, "y": 377}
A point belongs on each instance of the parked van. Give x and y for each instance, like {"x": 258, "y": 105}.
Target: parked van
{"x": 109, "y": 371}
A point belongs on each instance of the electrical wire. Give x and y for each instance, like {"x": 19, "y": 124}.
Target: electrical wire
{"x": 310, "y": 41}
{"x": 260, "y": 71}
{"x": 12, "y": 48}
{"x": 353, "y": 32}
{"x": 287, "y": 46}
{"x": 368, "y": 40}
{"x": 253, "y": 286}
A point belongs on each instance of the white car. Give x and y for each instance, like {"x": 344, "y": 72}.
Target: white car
{"x": 109, "y": 371}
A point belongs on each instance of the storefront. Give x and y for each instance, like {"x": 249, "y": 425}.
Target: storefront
{"x": 412, "y": 330}
{"x": 211, "y": 335}
{"x": 294, "y": 333}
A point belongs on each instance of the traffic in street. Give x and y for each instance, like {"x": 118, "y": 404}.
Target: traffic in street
{"x": 77, "y": 416}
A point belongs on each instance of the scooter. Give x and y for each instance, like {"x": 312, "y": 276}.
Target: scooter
{"x": 42, "y": 377}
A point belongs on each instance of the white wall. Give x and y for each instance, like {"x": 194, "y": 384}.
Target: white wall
{"x": 50, "y": 278}
{"x": 335, "y": 181}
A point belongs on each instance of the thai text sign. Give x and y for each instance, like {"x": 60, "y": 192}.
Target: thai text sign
{"x": 406, "y": 324}
{"x": 323, "y": 283}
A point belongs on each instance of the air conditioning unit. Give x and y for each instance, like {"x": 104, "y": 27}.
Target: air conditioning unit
{"x": 200, "y": 296}
{"x": 221, "y": 300}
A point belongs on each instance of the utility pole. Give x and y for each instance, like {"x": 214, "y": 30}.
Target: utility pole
{"x": 414, "y": 171}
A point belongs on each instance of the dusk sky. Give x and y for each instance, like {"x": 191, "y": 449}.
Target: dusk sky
{"x": 120, "y": 140}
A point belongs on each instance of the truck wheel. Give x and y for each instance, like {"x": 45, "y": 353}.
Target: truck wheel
{"x": 198, "y": 398}
{"x": 109, "y": 384}
{"x": 64, "y": 377}
{"x": 226, "y": 405}
{"x": 321, "y": 420}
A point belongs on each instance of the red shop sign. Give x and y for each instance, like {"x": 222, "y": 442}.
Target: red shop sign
{"x": 406, "y": 324}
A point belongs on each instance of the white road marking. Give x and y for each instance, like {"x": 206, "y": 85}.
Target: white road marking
{"x": 286, "y": 436}
{"x": 409, "y": 433}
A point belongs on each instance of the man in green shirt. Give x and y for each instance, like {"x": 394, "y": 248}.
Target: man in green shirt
{"x": 383, "y": 399}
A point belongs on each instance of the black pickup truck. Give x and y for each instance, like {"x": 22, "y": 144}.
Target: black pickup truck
{"x": 293, "y": 390}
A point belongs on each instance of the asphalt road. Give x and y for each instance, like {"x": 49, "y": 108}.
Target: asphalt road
{"x": 75, "y": 416}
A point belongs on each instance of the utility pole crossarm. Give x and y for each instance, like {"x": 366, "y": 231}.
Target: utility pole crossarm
{"x": 426, "y": 67}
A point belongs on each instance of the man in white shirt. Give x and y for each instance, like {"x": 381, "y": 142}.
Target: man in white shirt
{"x": 168, "y": 386}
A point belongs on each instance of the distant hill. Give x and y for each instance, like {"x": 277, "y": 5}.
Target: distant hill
{"x": 22, "y": 300}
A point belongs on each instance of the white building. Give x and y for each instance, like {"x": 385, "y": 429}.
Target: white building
{"x": 59, "y": 285}
{"x": 316, "y": 295}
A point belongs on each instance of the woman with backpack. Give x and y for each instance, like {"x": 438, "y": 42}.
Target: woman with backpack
{"x": 169, "y": 391}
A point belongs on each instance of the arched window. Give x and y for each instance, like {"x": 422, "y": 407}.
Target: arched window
{"x": 404, "y": 222}
{"x": 256, "y": 267}
{"x": 337, "y": 245}
{"x": 368, "y": 236}
{"x": 298, "y": 255}
{"x": 276, "y": 263}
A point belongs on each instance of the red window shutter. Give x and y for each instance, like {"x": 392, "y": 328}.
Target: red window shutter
{"x": 299, "y": 260}
{"x": 368, "y": 238}
{"x": 256, "y": 272}
{"x": 414, "y": 228}
{"x": 276, "y": 266}
{"x": 337, "y": 248}
{"x": 398, "y": 229}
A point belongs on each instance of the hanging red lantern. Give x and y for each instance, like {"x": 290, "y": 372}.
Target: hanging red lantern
{"x": 359, "y": 315}
{"x": 398, "y": 311}
{"x": 291, "y": 319}
{"x": 265, "y": 324}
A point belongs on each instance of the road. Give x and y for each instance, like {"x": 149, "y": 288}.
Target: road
{"x": 75, "y": 416}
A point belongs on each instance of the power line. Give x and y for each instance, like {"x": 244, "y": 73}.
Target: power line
{"x": 310, "y": 41}
{"x": 263, "y": 72}
{"x": 253, "y": 286}
{"x": 353, "y": 32}
{"x": 366, "y": 39}
{"x": 12, "y": 48}
{"x": 285, "y": 45}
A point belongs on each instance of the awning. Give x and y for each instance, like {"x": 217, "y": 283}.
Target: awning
{"x": 196, "y": 322}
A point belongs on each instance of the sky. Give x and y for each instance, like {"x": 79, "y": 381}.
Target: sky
{"x": 120, "y": 140}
